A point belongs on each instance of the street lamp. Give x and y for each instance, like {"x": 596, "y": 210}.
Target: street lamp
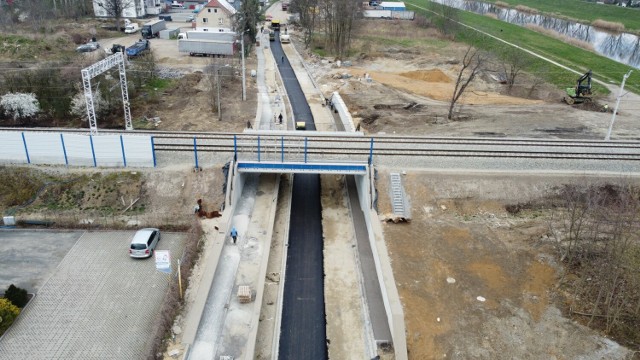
{"x": 244, "y": 89}
{"x": 615, "y": 110}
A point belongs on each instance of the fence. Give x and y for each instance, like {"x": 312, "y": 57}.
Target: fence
{"x": 76, "y": 150}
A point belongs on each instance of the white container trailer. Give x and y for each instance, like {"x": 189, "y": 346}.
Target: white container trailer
{"x": 206, "y": 47}
{"x": 211, "y": 35}
{"x": 152, "y": 28}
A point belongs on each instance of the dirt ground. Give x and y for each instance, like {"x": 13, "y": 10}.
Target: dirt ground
{"x": 189, "y": 104}
{"x": 77, "y": 197}
{"x": 476, "y": 282}
{"x": 411, "y": 87}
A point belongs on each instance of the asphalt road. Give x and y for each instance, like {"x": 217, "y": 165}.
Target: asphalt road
{"x": 303, "y": 328}
{"x": 301, "y": 110}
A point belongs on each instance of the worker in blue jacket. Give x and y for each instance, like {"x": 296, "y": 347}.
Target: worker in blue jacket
{"x": 234, "y": 234}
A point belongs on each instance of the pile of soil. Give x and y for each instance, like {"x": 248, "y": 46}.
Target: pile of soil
{"x": 436, "y": 76}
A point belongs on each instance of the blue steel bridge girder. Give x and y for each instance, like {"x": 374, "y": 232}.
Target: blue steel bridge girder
{"x": 299, "y": 167}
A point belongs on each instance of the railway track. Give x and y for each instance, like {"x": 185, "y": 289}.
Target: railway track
{"x": 332, "y": 144}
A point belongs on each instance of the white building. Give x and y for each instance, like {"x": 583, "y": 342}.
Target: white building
{"x": 136, "y": 9}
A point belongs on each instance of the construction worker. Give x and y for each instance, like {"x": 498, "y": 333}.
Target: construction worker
{"x": 280, "y": 118}
{"x": 234, "y": 234}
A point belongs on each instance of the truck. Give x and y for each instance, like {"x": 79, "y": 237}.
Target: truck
{"x": 138, "y": 48}
{"x": 207, "y": 47}
{"x": 131, "y": 28}
{"x": 285, "y": 38}
{"x": 152, "y": 28}
{"x": 275, "y": 25}
{"x": 208, "y": 35}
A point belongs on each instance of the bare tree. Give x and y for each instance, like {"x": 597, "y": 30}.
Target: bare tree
{"x": 339, "y": 16}
{"x": 597, "y": 238}
{"x": 307, "y": 10}
{"x": 472, "y": 63}
{"x": 114, "y": 9}
{"x": 513, "y": 62}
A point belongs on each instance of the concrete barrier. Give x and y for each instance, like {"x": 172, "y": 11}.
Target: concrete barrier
{"x": 343, "y": 112}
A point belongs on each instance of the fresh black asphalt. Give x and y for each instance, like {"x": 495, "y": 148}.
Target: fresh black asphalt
{"x": 303, "y": 327}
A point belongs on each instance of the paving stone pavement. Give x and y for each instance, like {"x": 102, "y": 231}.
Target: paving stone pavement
{"x": 98, "y": 304}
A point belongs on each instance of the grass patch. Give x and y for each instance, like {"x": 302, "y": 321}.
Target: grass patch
{"x": 25, "y": 48}
{"x": 18, "y": 186}
{"x": 102, "y": 193}
{"x": 578, "y": 59}
{"x": 160, "y": 84}
{"x": 582, "y": 11}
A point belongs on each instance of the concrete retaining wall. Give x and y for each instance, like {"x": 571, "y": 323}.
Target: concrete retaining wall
{"x": 343, "y": 112}
{"x": 390, "y": 297}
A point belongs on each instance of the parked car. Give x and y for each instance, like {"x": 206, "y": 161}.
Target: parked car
{"x": 131, "y": 28}
{"x": 88, "y": 47}
{"x": 144, "y": 242}
{"x": 191, "y": 18}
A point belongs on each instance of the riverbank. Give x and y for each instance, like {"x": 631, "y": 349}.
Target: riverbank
{"x": 580, "y": 60}
{"x": 581, "y": 11}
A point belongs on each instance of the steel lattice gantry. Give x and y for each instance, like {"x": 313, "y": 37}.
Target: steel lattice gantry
{"x": 96, "y": 69}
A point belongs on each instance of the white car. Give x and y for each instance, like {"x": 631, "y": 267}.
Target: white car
{"x": 144, "y": 243}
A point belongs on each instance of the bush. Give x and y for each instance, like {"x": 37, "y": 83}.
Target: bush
{"x": 19, "y": 105}
{"x": 8, "y": 313}
{"x": 172, "y": 302}
{"x": 17, "y": 296}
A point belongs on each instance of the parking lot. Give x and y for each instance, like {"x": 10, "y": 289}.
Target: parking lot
{"x": 28, "y": 258}
{"x": 98, "y": 304}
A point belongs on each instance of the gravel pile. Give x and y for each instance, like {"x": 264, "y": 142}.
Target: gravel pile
{"x": 169, "y": 73}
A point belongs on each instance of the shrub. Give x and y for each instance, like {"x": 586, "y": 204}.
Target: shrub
{"x": 526, "y": 9}
{"x": 78, "y": 38}
{"x": 554, "y": 34}
{"x": 19, "y": 105}
{"x": 608, "y": 25}
{"x": 17, "y": 296}
{"x": 8, "y": 313}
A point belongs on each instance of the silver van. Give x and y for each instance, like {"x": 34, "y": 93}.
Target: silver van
{"x": 144, "y": 243}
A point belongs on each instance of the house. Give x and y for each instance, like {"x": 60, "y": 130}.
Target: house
{"x": 217, "y": 13}
{"x": 136, "y": 8}
{"x": 393, "y": 6}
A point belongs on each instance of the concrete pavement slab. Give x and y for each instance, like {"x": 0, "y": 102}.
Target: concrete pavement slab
{"x": 29, "y": 257}
{"x": 99, "y": 304}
